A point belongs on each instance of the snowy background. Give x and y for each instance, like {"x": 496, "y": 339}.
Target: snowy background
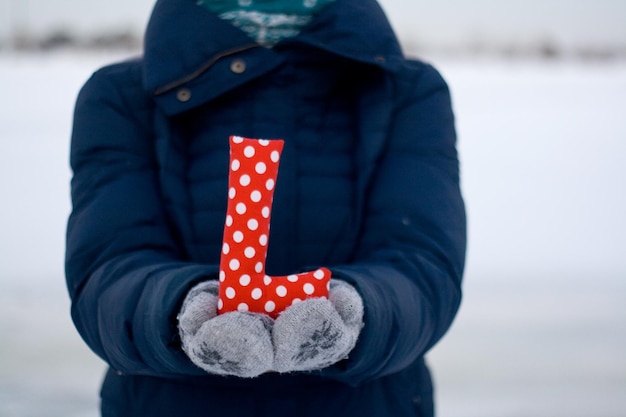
{"x": 542, "y": 330}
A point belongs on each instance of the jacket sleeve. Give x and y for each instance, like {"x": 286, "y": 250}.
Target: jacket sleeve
{"x": 412, "y": 252}
{"x": 124, "y": 272}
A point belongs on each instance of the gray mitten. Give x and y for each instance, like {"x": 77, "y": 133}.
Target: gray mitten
{"x": 317, "y": 333}
{"x": 238, "y": 344}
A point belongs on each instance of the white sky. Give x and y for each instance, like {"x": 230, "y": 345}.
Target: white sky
{"x": 443, "y": 21}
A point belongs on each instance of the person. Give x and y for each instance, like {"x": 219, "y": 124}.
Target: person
{"x": 368, "y": 187}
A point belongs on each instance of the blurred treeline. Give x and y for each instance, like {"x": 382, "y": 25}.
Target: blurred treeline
{"x": 130, "y": 39}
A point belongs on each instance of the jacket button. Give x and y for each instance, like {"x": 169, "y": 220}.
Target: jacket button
{"x": 238, "y": 66}
{"x": 183, "y": 95}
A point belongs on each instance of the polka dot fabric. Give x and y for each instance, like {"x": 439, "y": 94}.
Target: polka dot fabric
{"x": 244, "y": 285}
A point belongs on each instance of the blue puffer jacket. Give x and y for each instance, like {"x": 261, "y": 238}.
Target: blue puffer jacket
{"x": 368, "y": 186}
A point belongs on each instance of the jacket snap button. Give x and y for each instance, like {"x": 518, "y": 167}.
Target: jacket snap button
{"x": 238, "y": 66}
{"x": 183, "y": 95}
{"x": 380, "y": 59}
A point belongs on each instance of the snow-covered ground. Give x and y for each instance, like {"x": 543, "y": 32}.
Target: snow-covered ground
{"x": 542, "y": 331}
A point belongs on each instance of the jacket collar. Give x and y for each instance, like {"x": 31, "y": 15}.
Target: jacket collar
{"x": 355, "y": 29}
{"x": 190, "y": 53}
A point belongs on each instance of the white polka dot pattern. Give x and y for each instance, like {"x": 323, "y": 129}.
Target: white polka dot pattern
{"x": 244, "y": 286}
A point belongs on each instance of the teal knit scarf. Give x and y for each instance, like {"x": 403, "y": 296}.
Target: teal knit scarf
{"x": 266, "y": 21}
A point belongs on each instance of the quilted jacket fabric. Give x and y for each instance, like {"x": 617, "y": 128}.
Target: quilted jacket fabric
{"x": 368, "y": 187}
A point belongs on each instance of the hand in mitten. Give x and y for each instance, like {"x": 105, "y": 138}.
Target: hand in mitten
{"x": 237, "y": 344}
{"x": 316, "y": 333}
